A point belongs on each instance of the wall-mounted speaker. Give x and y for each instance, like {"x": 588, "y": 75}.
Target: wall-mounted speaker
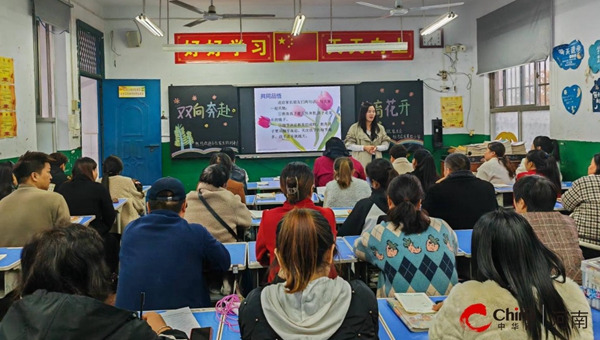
{"x": 437, "y": 133}
{"x": 133, "y": 39}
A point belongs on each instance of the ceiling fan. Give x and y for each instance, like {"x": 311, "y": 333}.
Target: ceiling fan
{"x": 211, "y": 14}
{"x": 400, "y": 10}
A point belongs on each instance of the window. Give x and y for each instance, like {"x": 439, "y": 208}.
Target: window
{"x": 520, "y": 99}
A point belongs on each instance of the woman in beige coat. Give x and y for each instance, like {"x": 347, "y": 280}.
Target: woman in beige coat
{"x": 367, "y": 139}
{"x": 213, "y": 188}
{"x": 122, "y": 187}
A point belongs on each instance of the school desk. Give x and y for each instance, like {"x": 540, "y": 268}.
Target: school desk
{"x": 268, "y": 179}
{"x": 464, "y": 242}
{"x": 10, "y": 266}
{"x": 266, "y": 185}
{"x": 84, "y": 220}
{"x": 118, "y": 207}
{"x": 237, "y": 252}
{"x": 338, "y": 220}
{"x": 505, "y": 190}
{"x": 207, "y": 317}
{"x": 145, "y": 188}
{"x": 391, "y": 327}
{"x": 279, "y": 199}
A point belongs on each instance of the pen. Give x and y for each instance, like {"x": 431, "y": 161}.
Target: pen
{"x": 142, "y": 301}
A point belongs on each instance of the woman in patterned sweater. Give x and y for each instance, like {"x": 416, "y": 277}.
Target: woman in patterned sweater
{"x": 583, "y": 199}
{"x": 414, "y": 252}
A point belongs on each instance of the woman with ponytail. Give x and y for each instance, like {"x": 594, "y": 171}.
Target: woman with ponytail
{"x": 410, "y": 239}
{"x": 309, "y": 304}
{"x": 425, "y": 170}
{"x": 344, "y": 191}
{"x": 368, "y": 211}
{"x": 497, "y": 169}
{"x": 540, "y": 163}
{"x": 122, "y": 187}
{"x": 297, "y": 183}
{"x": 549, "y": 146}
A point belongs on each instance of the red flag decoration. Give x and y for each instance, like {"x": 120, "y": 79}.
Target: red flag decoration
{"x": 268, "y": 47}
{"x": 299, "y": 48}
{"x": 354, "y": 37}
{"x": 260, "y": 47}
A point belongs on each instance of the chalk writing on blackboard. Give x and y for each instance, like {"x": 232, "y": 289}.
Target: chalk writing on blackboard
{"x": 203, "y": 119}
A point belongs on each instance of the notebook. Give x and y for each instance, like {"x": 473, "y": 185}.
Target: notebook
{"x": 256, "y": 214}
{"x": 2, "y": 256}
{"x": 341, "y": 212}
{"x": 269, "y": 195}
{"x": 415, "y": 322}
{"x": 181, "y": 319}
{"x": 415, "y": 302}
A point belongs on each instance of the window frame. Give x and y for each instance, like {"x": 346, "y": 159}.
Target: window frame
{"x": 522, "y": 86}
{"x": 47, "y": 58}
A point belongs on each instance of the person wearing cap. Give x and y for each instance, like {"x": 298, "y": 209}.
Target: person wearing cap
{"x": 164, "y": 256}
{"x": 323, "y": 169}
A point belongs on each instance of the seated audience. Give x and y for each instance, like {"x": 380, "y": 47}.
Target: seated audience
{"x": 165, "y": 256}
{"x": 57, "y": 169}
{"x": 461, "y": 198}
{"x": 31, "y": 208}
{"x": 426, "y": 246}
{"x": 309, "y": 305}
{"x": 540, "y": 163}
{"x": 535, "y": 198}
{"x": 549, "y": 146}
{"x": 344, "y": 191}
{"x": 235, "y": 187}
{"x": 425, "y": 170}
{"x": 297, "y": 185}
{"x": 65, "y": 285}
{"x": 513, "y": 271}
{"x": 87, "y": 197}
{"x": 122, "y": 187}
{"x": 237, "y": 174}
{"x": 398, "y": 158}
{"x": 323, "y": 168}
{"x": 227, "y": 206}
{"x": 497, "y": 168}
{"x": 366, "y": 212}
{"x": 583, "y": 199}
{"x": 8, "y": 181}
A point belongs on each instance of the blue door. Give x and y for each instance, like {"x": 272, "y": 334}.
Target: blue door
{"x": 131, "y": 128}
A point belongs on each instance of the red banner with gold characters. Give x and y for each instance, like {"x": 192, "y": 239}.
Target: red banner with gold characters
{"x": 266, "y": 47}
{"x": 260, "y": 48}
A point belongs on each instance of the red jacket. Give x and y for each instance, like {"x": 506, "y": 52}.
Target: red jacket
{"x": 531, "y": 173}
{"x": 323, "y": 170}
{"x": 267, "y": 232}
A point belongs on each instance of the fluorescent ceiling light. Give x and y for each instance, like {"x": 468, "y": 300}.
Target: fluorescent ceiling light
{"x": 150, "y": 26}
{"x": 439, "y": 22}
{"x": 395, "y": 46}
{"x": 298, "y": 24}
{"x": 205, "y": 48}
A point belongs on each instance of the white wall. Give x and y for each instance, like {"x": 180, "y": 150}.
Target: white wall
{"x": 575, "y": 20}
{"x": 16, "y": 41}
{"x": 149, "y": 61}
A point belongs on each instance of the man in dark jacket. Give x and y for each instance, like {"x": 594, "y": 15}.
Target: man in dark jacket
{"x": 460, "y": 198}
{"x": 237, "y": 174}
{"x": 57, "y": 169}
{"x": 164, "y": 256}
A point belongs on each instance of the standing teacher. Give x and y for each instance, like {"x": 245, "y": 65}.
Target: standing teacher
{"x": 367, "y": 138}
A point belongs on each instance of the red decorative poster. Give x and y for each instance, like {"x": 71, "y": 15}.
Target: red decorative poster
{"x": 299, "y": 48}
{"x": 260, "y": 47}
{"x": 266, "y": 47}
{"x": 353, "y": 37}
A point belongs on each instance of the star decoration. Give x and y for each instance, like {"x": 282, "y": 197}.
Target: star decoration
{"x": 214, "y": 97}
{"x": 194, "y": 98}
{"x": 397, "y": 91}
{"x": 382, "y": 90}
{"x": 225, "y": 124}
{"x": 206, "y": 126}
{"x": 402, "y": 122}
{"x": 393, "y": 123}
{"x": 176, "y": 101}
{"x": 411, "y": 94}
{"x": 233, "y": 110}
{"x": 281, "y": 41}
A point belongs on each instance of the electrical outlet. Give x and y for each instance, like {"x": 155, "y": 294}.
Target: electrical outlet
{"x": 448, "y": 48}
{"x": 462, "y": 48}
{"x": 443, "y": 74}
{"x": 454, "y": 48}
{"x": 471, "y": 133}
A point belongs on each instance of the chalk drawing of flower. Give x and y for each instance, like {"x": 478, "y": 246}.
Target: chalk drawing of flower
{"x": 176, "y": 101}
{"x": 194, "y": 98}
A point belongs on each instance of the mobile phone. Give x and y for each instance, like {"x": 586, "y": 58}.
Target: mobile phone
{"x": 204, "y": 333}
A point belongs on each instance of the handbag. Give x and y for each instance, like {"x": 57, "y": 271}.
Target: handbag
{"x": 219, "y": 219}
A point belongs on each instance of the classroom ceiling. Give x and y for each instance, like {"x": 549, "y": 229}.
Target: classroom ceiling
{"x": 265, "y": 3}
